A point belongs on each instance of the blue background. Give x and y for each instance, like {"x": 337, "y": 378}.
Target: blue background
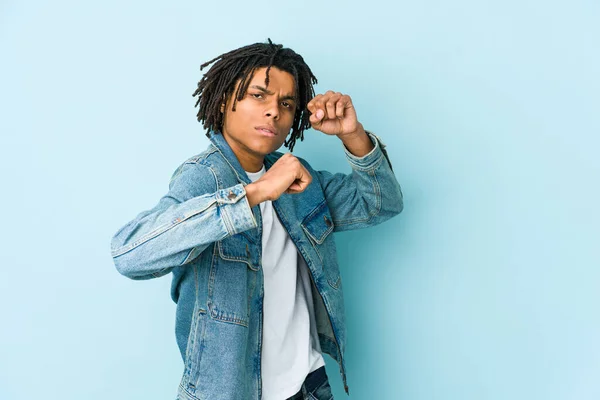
{"x": 486, "y": 287}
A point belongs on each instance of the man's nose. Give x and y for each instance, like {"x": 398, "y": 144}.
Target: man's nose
{"x": 272, "y": 109}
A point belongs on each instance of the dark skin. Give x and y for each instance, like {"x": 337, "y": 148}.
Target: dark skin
{"x": 260, "y": 108}
{"x": 262, "y": 121}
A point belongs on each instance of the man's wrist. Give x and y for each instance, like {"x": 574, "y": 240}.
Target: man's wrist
{"x": 253, "y": 194}
{"x": 358, "y": 142}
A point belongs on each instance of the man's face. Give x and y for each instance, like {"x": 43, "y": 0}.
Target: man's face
{"x": 263, "y": 118}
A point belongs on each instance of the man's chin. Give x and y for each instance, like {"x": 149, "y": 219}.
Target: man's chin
{"x": 264, "y": 150}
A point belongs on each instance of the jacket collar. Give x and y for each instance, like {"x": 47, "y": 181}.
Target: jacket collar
{"x": 218, "y": 140}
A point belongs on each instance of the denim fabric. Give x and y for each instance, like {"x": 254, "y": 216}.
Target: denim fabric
{"x": 315, "y": 387}
{"x": 206, "y": 235}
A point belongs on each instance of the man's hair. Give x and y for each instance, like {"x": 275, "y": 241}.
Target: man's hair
{"x": 218, "y": 83}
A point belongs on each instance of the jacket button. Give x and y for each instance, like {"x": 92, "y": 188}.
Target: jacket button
{"x": 327, "y": 221}
{"x": 231, "y": 195}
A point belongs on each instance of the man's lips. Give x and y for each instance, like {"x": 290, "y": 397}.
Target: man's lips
{"x": 267, "y": 130}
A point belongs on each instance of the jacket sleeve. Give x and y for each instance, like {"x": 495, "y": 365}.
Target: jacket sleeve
{"x": 191, "y": 216}
{"x": 368, "y": 196}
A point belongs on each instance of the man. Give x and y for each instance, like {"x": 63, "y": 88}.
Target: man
{"x": 247, "y": 231}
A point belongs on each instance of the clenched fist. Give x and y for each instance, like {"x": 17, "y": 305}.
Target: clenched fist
{"x": 333, "y": 114}
{"x": 286, "y": 175}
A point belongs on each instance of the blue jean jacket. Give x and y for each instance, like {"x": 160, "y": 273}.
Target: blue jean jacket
{"x": 205, "y": 233}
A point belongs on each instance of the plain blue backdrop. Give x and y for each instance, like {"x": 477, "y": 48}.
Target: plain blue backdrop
{"x": 486, "y": 287}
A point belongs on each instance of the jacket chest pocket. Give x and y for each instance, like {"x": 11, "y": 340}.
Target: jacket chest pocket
{"x": 232, "y": 280}
{"x": 318, "y": 227}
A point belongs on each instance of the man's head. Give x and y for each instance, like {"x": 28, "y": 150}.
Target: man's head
{"x": 257, "y": 85}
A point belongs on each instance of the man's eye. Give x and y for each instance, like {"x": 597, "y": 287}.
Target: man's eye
{"x": 286, "y": 104}
{"x": 256, "y": 95}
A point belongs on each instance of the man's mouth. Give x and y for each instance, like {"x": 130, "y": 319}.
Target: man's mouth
{"x": 266, "y": 130}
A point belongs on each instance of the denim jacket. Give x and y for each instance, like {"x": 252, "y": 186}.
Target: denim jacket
{"x": 205, "y": 233}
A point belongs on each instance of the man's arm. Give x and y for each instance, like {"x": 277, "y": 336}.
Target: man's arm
{"x": 358, "y": 143}
{"x": 192, "y": 215}
{"x": 369, "y": 195}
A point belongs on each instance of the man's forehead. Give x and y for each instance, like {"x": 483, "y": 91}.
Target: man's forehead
{"x": 284, "y": 80}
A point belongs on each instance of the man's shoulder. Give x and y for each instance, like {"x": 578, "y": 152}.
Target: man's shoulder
{"x": 201, "y": 158}
{"x": 198, "y": 167}
{"x": 210, "y": 159}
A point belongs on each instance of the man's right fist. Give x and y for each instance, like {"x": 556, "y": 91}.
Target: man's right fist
{"x": 287, "y": 175}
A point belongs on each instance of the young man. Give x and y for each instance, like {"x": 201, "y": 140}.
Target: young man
{"x": 247, "y": 231}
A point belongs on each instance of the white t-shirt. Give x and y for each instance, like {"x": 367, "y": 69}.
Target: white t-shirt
{"x": 290, "y": 344}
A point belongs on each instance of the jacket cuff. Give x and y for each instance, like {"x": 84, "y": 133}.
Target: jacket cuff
{"x": 372, "y": 158}
{"x": 236, "y": 211}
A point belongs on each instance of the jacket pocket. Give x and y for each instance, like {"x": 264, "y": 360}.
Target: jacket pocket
{"x": 193, "y": 354}
{"x": 232, "y": 280}
{"x": 318, "y": 226}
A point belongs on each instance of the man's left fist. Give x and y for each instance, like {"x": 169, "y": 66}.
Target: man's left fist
{"x": 333, "y": 113}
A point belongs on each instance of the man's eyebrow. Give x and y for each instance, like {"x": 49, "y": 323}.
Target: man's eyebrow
{"x": 264, "y": 90}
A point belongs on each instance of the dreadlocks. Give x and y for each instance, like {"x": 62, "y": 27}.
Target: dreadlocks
{"x": 219, "y": 82}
